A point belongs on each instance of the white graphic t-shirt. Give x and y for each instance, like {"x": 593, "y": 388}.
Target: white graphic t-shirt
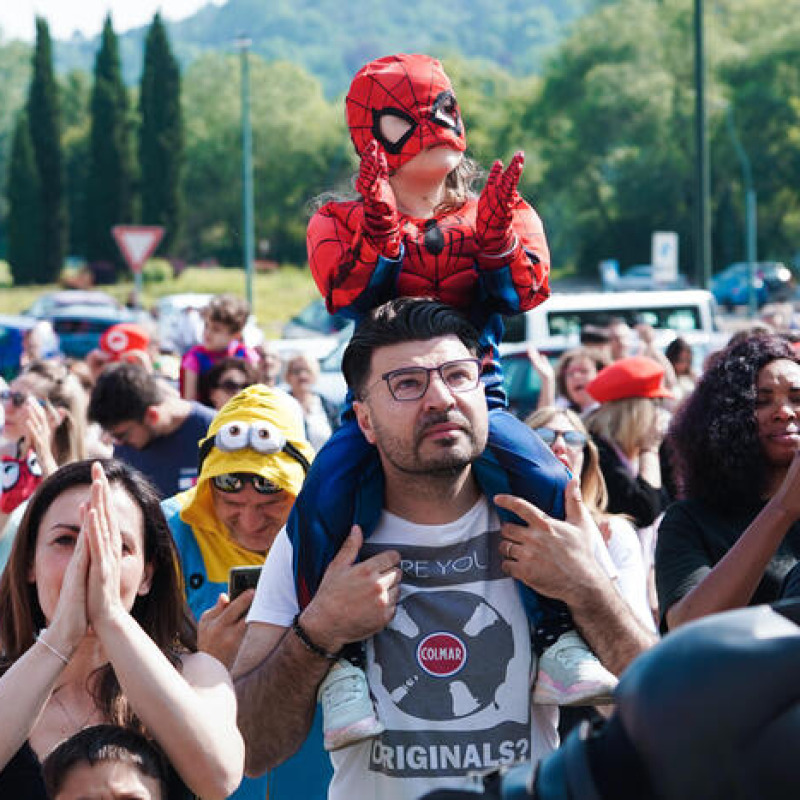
{"x": 450, "y": 675}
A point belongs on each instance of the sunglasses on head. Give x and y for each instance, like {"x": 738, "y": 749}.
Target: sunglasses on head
{"x": 233, "y": 482}
{"x": 574, "y": 439}
{"x": 17, "y": 399}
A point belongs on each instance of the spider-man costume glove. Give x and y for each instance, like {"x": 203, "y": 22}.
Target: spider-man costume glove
{"x": 381, "y": 223}
{"x": 494, "y": 232}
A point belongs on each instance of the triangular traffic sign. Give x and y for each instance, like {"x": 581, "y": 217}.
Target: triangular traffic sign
{"x": 137, "y": 243}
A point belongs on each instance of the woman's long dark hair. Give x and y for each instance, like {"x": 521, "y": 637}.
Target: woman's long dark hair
{"x": 162, "y": 613}
{"x": 714, "y": 435}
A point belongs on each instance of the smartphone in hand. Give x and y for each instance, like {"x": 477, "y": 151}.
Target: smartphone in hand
{"x": 242, "y": 578}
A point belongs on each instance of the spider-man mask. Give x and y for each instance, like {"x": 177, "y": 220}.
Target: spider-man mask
{"x": 20, "y": 477}
{"x": 413, "y": 88}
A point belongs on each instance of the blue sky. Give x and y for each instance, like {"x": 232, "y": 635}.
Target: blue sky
{"x": 64, "y": 18}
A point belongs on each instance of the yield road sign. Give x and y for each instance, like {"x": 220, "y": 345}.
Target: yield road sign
{"x": 137, "y": 243}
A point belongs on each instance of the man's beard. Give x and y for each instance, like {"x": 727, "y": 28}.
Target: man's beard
{"x": 448, "y": 463}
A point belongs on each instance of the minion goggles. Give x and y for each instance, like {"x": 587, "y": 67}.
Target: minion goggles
{"x": 260, "y": 436}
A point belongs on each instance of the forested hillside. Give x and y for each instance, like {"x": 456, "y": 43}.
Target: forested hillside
{"x": 332, "y": 38}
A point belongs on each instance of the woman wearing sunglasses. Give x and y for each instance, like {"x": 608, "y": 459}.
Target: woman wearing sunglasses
{"x": 224, "y": 380}
{"x": 564, "y": 433}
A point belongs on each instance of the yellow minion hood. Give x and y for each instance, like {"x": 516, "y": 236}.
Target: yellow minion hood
{"x": 259, "y": 432}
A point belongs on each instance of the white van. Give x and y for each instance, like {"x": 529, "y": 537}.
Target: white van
{"x": 556, "y": 324}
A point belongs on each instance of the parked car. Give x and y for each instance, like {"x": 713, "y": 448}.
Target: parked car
{"x": 640, "y": 278}
{"x": 79, "y": 318}
{"x": 778, "y": 278}
{"x": 771, "y": 281}
{"x": 556, "y": 324}
{"x": 80, "y": 327}
{"x": 315, "y": 320}
{"x": 47, "y": 303}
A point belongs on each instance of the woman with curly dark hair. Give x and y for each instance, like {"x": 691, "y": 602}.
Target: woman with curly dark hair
{"x": 735, "y": 534}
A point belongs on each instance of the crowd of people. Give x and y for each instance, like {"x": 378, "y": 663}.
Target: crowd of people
{"x": 221, "y": 586}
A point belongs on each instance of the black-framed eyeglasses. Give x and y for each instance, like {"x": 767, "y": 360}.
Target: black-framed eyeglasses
{"x": 572, "y": 439}
{"x": 411, "y": 383}
{"x": 233, "y": 482}
{"x": 17, "y": 399}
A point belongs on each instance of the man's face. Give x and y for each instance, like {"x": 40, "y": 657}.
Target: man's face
{"x": 132, "y": 433}
{"x": 253, "y": 520}
{"x": 443, "y": 431}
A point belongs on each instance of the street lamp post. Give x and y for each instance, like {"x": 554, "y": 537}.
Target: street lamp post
{"x": 703, "y": 230}
{"x": 750, "y": 213}
{"x": 248, "y": 240}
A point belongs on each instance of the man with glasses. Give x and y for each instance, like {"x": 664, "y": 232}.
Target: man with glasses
{"x": 252, "y": 463}
{"x": 152, "y": 428}
{"x": 448, "y": 643}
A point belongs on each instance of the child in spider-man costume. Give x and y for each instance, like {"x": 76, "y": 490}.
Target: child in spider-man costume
{"x": 418, "y": 231}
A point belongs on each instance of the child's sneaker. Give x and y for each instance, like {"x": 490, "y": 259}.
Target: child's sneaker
{"x": 348, "y": 716}
{"x": 570, "y": 674}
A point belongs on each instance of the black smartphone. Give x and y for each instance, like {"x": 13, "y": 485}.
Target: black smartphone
{"x": 242, "y": 578}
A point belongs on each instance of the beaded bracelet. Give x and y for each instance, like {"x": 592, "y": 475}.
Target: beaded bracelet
{"x": 39, "y": 638}
{"x": 309, "y": 645}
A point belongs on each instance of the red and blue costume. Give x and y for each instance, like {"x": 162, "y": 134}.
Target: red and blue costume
{"x": 485, "y": 256}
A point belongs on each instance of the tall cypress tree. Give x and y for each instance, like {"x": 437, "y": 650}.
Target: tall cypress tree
{"x": 161, "y": 135}
{"x": 44, "y": 123}
{"x": 108, "y": 189}
{"x": 25, "y": 211}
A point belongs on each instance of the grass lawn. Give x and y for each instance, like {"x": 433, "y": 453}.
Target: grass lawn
{"x": 277, "y": 296}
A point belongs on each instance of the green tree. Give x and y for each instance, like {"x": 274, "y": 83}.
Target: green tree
{"x": 74, "y": 94}
{"x": 44, "y": 121}
{"x": 24, "y": 199}
{"x": 108, "y": 190}
{"x": 161, "y": 136}
{"x": 763, "y": 99}
{"x": 614, "y": 119}
{"x": 15, "y": 78}
{"x": 300, "y": 149}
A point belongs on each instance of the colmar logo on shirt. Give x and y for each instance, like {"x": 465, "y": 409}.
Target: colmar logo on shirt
{"x": 441, "y": 654}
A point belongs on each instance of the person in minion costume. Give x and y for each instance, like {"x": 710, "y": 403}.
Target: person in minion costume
{"x": 253, "y": 461}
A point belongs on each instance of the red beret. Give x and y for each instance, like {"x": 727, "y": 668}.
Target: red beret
{"x": 637, "y": 376}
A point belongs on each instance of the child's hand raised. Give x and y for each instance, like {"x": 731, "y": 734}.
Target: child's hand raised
{"x": 493, "y": 232}
{"x": 381, "y": 221}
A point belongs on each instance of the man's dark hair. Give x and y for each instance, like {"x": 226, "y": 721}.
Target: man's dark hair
{"x": 123, "y": 392}
{"x": 100, "y": 744}
{"x": 405, "y": 319}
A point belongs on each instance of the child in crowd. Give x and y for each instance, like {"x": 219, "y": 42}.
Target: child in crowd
{"x": 105, "y": 761}
{"x": 418, "y": 230}
{"x": 224, "y": 319}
